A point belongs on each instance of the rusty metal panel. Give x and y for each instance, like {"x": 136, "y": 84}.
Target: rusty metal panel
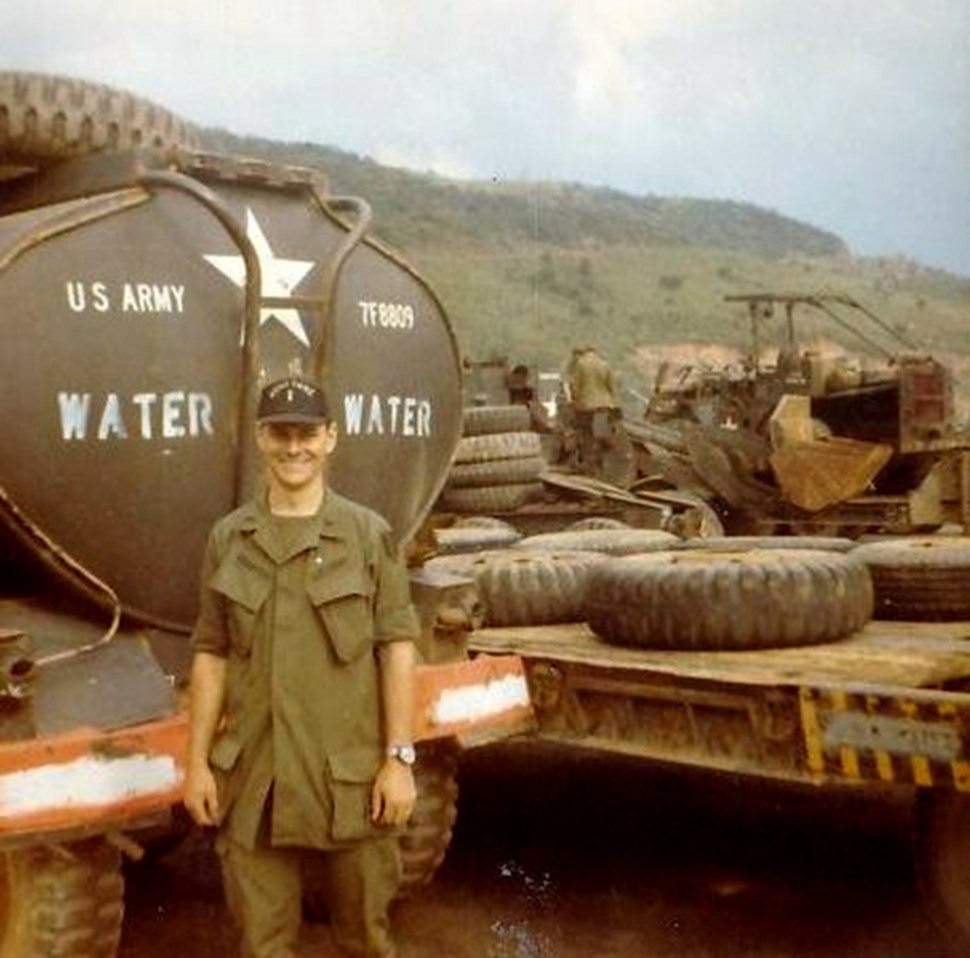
{"x": 485, "y": 699}
{"x": 89, "y": 779}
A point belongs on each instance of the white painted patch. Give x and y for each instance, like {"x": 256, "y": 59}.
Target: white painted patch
{"x": 85, "y": 782}
{"x": 480, "y": 701}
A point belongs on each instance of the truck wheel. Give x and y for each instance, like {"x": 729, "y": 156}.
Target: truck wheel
{"x": 428, "y": 834}
{"x": 45, "y": 119}
{"x": 942, "y": 852}
{"x": 517, "y": 587}
{"x": 491, "y": 498}
{"x": 615, "y": 542}
{"x": 67, "y": 903}
{"x": 728, "y": 600}
{"x": 496, "y": 472}
{"x": 498, "y": 445}
{"x": 481, "y": 420}
{"x": 921, "y": 578}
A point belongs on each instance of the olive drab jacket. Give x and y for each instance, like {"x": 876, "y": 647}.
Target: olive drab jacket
{"x": 591, "y": 383}
{"x": 298, "y": 623}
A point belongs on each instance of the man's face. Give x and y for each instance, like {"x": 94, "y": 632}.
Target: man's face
{"x": 296, "y": 453}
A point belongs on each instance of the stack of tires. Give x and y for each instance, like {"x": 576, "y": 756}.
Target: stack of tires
{"x": 920, "y": 578}
{"x": 498, "y": 462}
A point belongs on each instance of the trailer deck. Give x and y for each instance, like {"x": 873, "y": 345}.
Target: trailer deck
{"x": 889, "y": 704}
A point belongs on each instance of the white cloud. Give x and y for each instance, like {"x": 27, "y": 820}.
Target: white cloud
{"x": 849, "y": 114}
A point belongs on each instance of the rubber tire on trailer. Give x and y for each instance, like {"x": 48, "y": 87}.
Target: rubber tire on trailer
{"x": 66, "y": 903}
{"x": 45, "y": 119}
{"x": 483, "y": 522}
{"x": 482, "y": 420}
{"x": 517, "y": 587}
{"x": 615, "y": 542}
{"x": 921, "y": 578}
{"x": 747, "y": 543}
{"x": 942, "y": 854}
{"x": 491, "y": 498}
{"x": 597, "y": 522}
{"x": 425, "y": 841}
{"x": 728, "y": 600}
{"x": 499, "y": 445}
{"x": 473, "y": 539}
{"x": 496, "y": 472}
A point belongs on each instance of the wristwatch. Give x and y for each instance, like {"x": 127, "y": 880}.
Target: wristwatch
{"x": 405, "y": 754}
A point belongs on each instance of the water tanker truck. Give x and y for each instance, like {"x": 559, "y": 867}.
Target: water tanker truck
{"x": 147, "y": 292}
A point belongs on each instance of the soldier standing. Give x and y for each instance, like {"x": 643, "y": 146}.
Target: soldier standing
{"x": 591, "y": 392}
{"x": 301, "y": 695}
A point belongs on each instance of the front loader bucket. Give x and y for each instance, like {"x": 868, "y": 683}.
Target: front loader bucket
{"x": 816, "y": 474}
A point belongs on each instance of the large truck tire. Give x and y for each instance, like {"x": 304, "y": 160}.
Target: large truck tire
{"x": 597, "y": 522}
{"x": 67, "y": 903}
{"x": 481, "y": 420}
{"x": 728, "y": 600}
{"x": 497, "y": 472}
{"x": 615, "y": 542}
{"x": 45, "y": 119}
{"x": 471, "y": 539}
{"x": 491, "y": 498}
{"x": 942, "y": 853}
{"x": 425, "y": 841}
{"x": 517, "y": 587}
{"x": 498, "y": 445}
{"x": 747, "y": 543}
{"x": 922, "y": 578}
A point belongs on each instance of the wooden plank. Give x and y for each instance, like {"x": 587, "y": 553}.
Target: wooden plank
{"x": 909, "y": 655}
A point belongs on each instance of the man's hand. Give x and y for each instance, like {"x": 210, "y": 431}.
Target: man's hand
{"x": 201, "y": 796}
{"x": 394, "y": 794}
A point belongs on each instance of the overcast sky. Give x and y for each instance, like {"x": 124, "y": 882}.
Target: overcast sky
{"x": 852, "y": 115}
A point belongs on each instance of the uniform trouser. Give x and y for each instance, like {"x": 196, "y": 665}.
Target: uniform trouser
{"x": 595, "y": 433}
{"x": 264, "y": 891}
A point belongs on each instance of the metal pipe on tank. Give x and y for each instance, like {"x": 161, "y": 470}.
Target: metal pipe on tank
{"x": 245, "y": 463}
{"x": 331, "y": 205}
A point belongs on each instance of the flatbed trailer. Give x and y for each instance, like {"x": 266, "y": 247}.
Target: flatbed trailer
{"x": 886, "y": 708}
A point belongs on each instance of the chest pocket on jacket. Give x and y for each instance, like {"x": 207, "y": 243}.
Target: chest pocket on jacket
{"x": 246, "y": 589}
{"x": 343, "y": 602}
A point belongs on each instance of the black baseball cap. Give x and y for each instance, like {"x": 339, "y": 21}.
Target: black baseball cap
{"x": 293, "y": 400}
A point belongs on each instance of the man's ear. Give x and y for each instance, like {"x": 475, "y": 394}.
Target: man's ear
{"x": 331, "y": 437}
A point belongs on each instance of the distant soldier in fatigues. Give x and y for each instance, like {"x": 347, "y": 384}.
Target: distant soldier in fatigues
{"x": 302, "y": 692}
{"x": 591, "y": 392}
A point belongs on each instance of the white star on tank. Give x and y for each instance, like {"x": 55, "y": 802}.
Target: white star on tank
{"x": 280, "y": 277}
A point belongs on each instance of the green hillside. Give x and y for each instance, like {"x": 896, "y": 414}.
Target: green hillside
{"x": 527, "y": 269}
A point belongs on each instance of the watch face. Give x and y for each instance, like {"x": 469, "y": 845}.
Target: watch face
{"x": 404, "y": 753}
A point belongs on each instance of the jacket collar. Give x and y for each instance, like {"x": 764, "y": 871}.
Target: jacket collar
{"x": 255, "y": 519}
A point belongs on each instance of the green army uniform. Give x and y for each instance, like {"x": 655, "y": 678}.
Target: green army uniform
{"x": 595, "y": 406}
{"x": 297, "y": 607}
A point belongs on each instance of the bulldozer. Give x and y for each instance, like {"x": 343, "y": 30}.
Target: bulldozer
{"x": 147, "y": 292}
{"x": 795, "y": 441}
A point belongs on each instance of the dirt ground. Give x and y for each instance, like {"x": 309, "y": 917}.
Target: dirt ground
{"x": 559, "y": 854}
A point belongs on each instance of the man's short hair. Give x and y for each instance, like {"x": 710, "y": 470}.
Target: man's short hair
{"x": 293, "y": 400}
